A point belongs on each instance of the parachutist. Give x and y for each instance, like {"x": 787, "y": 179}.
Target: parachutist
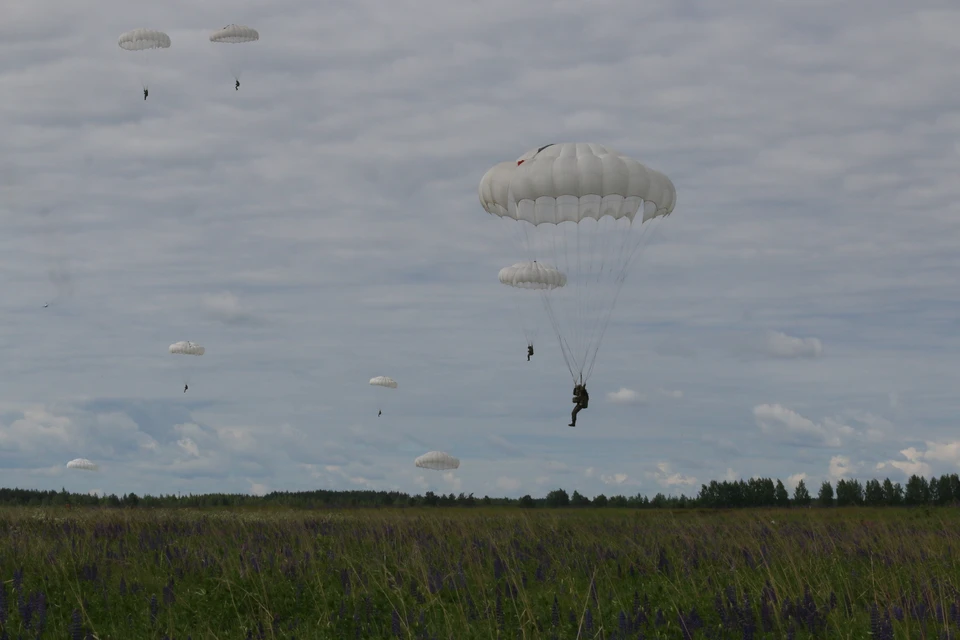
{"x": 146, "y": 92}
{"x": 237, "y": 88}
{"x": 185, "y": 387}
{"x": 379, "y": 413}
{"x": 581, "y": 399}
{"x": 529, "y": 351}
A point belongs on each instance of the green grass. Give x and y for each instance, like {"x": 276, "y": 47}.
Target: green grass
{"x": 479, "y": 573}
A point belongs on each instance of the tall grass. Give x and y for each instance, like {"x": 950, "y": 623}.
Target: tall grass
{"x": 479, "y": 573}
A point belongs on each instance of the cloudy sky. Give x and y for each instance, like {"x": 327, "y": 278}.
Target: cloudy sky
{"x": 795, "y": 317}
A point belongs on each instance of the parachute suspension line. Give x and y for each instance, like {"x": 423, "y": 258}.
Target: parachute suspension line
{"x": 646, "y": 236}
{"x": 564, "y": 347}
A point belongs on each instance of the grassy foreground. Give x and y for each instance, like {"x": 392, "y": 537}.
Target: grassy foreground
{"x": 479, "y": 573}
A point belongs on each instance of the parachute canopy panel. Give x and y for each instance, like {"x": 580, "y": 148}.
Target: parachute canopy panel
{"x": 384, "y": 381}
{"x": 437, "y": 461}
{"x": 143, "y": 39}
{"x": 82, "y": 464}
{"x": 235, "y": 34}
{"x": 187, "y": 348}
{"x": 532, "y": 275}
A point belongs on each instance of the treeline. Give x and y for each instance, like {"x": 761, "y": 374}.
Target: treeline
{"x": 755, "y": 492}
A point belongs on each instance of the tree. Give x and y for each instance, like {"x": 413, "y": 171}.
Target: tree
{"x": 801, "y": 497}
{"x": 933, "y": 497}
{"x": 782, "y": 497}
{"x": 600, "y": 501}
{"x": 873, "y": 494}
{"x": 557, "y": 498}
{"x": 526, "y": 502}
{"x": 946, "y": 490}
{"x": 578, "y": 500}
{"x": 849, "y": 493}
{"x": 917, "y": 491}
{"x": 892, "y": 493}
{"x": 618, "y": 502}
{"x": 825, "y": 498}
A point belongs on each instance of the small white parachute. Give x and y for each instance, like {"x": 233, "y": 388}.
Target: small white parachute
{"x": 532, "y": 275}
{"x": 82, "y": 464}
{"x": 142, "y": 42}
{"x": 437, "y": 461}
{"x": 384, "y": 381}
{"x": 187, "y": 348}
{"x": 143, "y": 39}
{"x": 235, "y": 34}
{"x": 238, "y": 56}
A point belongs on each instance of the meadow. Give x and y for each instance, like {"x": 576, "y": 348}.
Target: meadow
{"x": 479, "y": 573}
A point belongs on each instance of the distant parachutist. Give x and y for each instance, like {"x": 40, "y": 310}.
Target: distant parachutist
{"x": 146, "y": 92}
{"x": 529, "y": 351}
{"x": 379, "y": 413}
{"x": 185, "y": 387}
{"x": 237, "y": 88}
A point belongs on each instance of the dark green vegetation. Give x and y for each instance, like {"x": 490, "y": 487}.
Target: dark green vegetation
{"x": 756, "y": 492}
{"x": 479, "y": 573}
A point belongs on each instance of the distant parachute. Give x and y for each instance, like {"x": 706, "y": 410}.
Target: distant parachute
{"x": 82, "y": 464}
{"x": 384, "y": 381}
{"x": 437, "y": 461}
{"x": 574, "y": 205}
{"x": 534, "y": 277}
{"x": 186, "y": 348}
{"x": 235, "y": 34}
{"x": 143, "y": 40}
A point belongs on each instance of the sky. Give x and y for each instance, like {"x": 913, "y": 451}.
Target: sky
{"x": 795, "y": 317}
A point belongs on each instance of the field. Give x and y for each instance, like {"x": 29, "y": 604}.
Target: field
{"x": 479, "y": 573}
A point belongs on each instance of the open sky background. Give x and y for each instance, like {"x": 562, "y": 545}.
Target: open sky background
{"x": 795, "y": 317}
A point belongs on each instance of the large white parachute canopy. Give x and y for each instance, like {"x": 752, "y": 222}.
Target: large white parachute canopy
{"x": 533, "y": 277}
{"x": 384, "y": 381}
{"x": 187, "y": 348}
{"x": 437, "y": 461}
{"x": 82, "y": 464}
{"x": 143, "y": 41}
{"x": 186, "y": 365}
{"x": 235, "y": 34}
{"x": 582, "y": 207}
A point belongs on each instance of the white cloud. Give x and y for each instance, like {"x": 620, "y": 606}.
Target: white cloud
{"x": 731, "y": 475}
{"x": 666, "y": 477}
{"x": 778, "y": 420}
{"x": 258, "y": 489}
{"x": 189, "y": 446}
{"x": 780, "y": 345}
{"x": 676, "y": 394}
{"x": 625, "y": 396}
{"x": 918, "y": 462}
{"x": 616, "y": 478}
{"x": 453, "y": 481}
{"x": 588, "y": 472}
{"x": 793, "y": 480}
{"x": 841, "y": 467}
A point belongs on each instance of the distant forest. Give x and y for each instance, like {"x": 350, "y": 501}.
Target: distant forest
{"x": 756, "y": 492}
